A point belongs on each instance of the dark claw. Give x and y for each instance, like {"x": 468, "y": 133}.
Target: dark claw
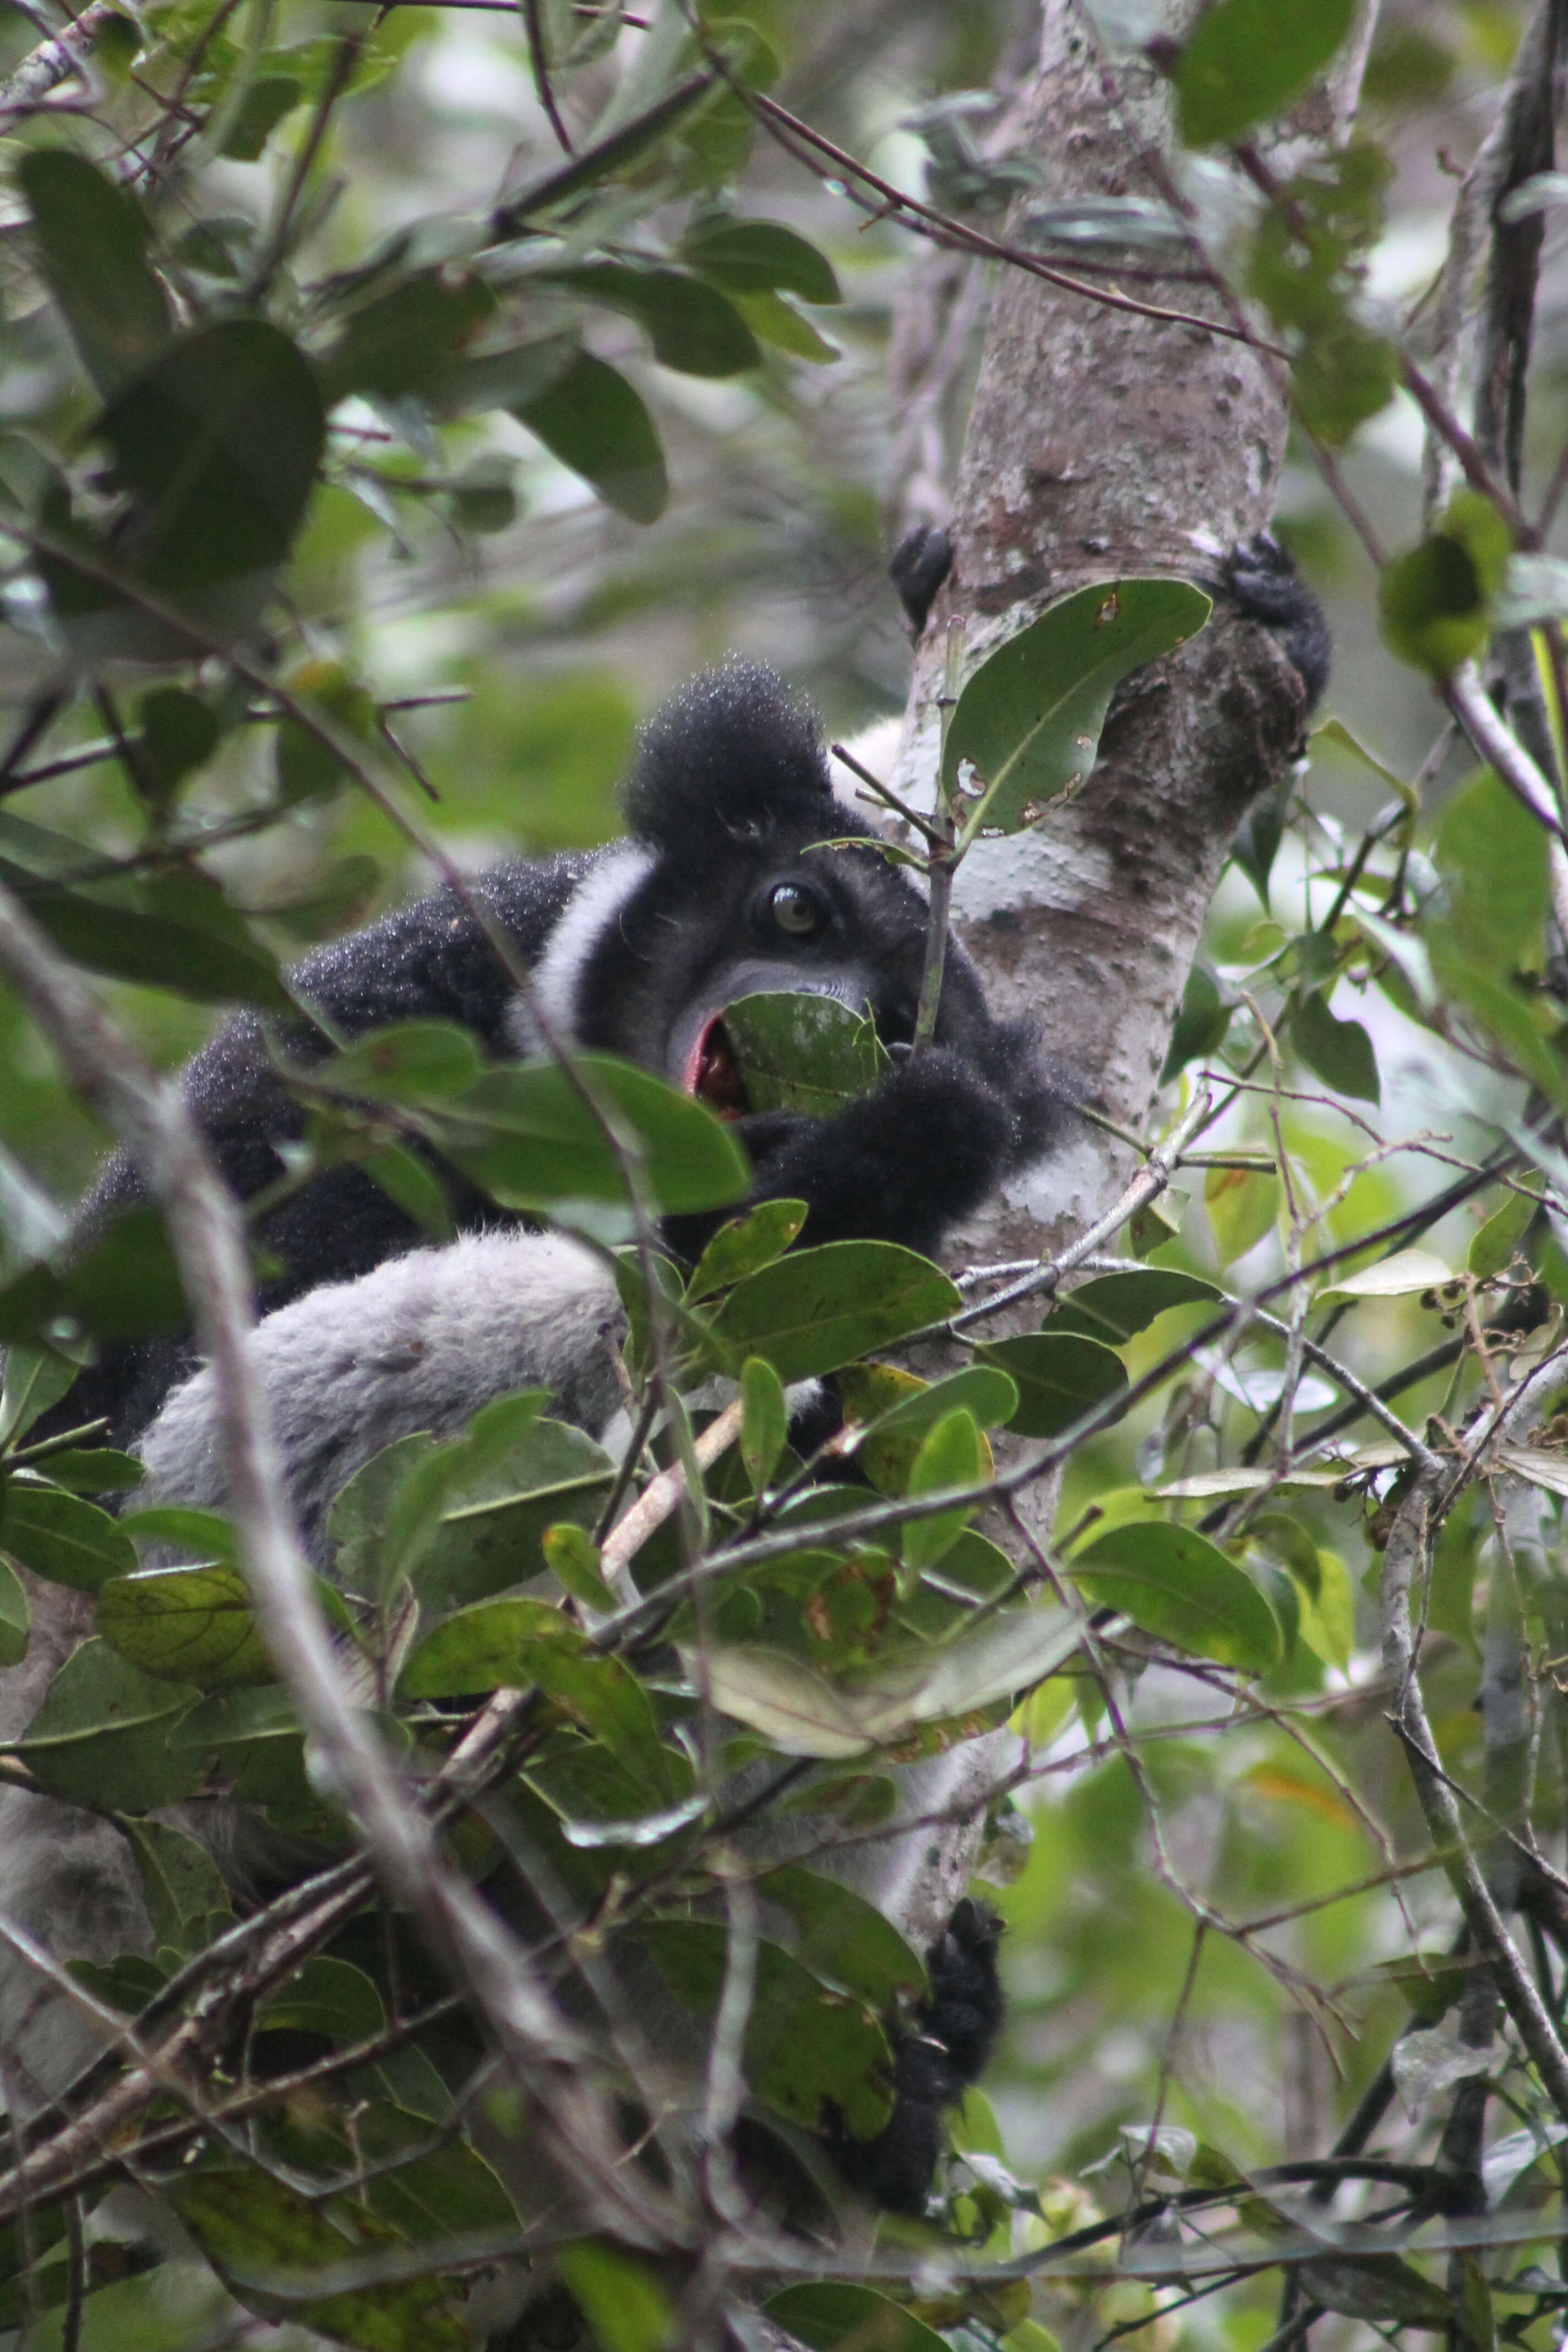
{"x": 922, "y": 561}
{"x": 1261, "y": 580}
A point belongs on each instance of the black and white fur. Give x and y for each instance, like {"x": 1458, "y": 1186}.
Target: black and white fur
{"x": 370, "y": 1335}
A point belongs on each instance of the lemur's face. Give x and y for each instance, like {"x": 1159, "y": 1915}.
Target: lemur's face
{"x": 804, "y": 930}
{"x": 765, "y": 914}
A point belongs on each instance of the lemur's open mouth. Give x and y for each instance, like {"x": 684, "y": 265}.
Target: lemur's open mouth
{"x": 713, "y": 1074}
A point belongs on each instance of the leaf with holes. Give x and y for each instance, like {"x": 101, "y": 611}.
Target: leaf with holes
{"x": 1026, "y": 726}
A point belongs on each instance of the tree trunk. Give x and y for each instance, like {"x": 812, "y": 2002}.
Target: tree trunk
{"x": 1103, "y": 442}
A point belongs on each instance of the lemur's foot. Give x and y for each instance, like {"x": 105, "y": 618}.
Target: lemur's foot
{"x": 1262, "y": 581}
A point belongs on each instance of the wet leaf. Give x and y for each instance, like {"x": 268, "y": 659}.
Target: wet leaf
{"x": 833, "y": 2316}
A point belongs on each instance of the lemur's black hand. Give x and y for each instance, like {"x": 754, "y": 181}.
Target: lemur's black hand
{"x": 936, "y": 2063}
{"x": 899, "y": 1165}
{"x": 1259, "y": 576}
{"x": 922, "y": 561}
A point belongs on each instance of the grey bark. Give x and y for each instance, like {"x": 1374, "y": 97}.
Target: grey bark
{"x": 1100, "y": 442}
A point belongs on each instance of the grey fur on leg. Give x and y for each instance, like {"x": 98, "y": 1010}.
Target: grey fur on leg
{"x": 419, "y": 1344}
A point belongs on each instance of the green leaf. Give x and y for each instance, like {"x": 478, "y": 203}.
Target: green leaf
{"x": 1029, "y": 719}
{"x": 845, "y": 1939}
{"x": 91, "y": 243}
{"x": 179, "y": 733}
{"x": 34, "y": 1379}
{"x": 573, "y": 1559}
{"x": 818, "y": 1309}
{"x": 494, "y": 1517}
{"x": 165, "y": 931}
{"x": 1513, "y": 1020}
{"x": 1248, "y": 60}
{"x": 774, "y": 320}
{"x": 13, "y": 1616}
{"x": 410, "y": 1061}
{"x": 746, "y": 1244}
{"x": 250, "y": 1740}
{"x": 760, "y": 257}
{"x": 219, "y": 440}
{"x": 1242, "y": 1204}
{"x": 1400, "y": 1276}
{"x": 764, "y": 1425}
{"x": 507, "y": 378}
{"x": 803, "y": 1053}
{"x": 1200, "y": 1025}
{"x": 1058, "y": 1379}
{"x": 175, "y": 1525}
{"x": 802, "y": 1713}
{"x": 524, "y": 1135}
{"x": 1435, "y": 601}
{"x": 181, "y": 1884}
{"x": 264, "y": 2240}
{"x": 1494, "y": 861}
{"x": 1115, "y": 1306}
{"x": 406, "y": 338}
{"x": 592, "y": 420}
{"x": 1175, "y": 1584}
{"x": 102, "y": 1734}
{"x": 1256, "y": 845}
{"x": 831, "y": 2316}
{"x": 809, "y": 2051}
{"x": 692, "y": 325}
{"x": 620, "y": 2298}
{"x": 952, "y": 1454}
{"x": 61, "y": 1537}
{"x": 1493, "y": 1246}
{"x": 189, "y": 1625}
{"x": 327, "y": 1996}
{"x": 896, "y": 1409}
{"x": 494, "y": 1645}
{"x": 123, "y": 1285}
{"x": 1341, "y": 1052}
{"x": 267, "y": 103}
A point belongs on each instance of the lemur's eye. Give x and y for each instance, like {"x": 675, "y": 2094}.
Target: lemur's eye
{"x": 795, "y": 910}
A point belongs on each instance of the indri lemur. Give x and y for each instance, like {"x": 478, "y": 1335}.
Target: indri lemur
{"x": 722, "y": 890}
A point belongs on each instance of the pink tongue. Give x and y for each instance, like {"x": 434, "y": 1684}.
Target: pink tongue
{"x": 692, "y": 1072}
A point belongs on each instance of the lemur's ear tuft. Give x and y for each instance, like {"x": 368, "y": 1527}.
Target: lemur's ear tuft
{"x": 733, "y": 749}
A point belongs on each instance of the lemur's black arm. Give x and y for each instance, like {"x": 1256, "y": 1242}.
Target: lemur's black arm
{"x": 936, "y": 2063}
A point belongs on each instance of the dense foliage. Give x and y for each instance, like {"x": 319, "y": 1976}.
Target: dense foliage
{"x": 392, "y": 402}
